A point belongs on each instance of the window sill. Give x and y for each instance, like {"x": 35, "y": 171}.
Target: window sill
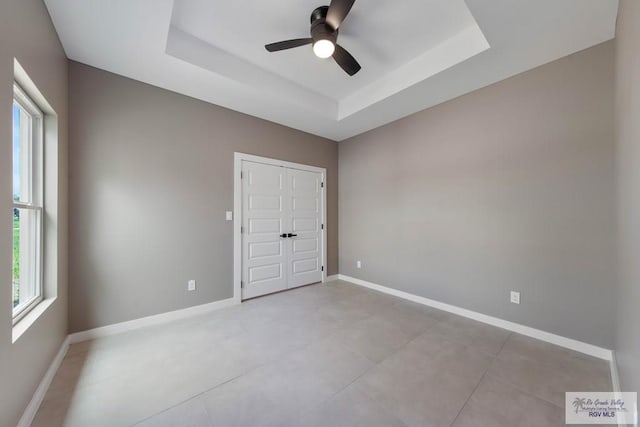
{"x": 30, "y": 318}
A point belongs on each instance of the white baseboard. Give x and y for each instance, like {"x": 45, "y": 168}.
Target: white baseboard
{"x": 157, "y": 319}
{"x": 615, "y": 378}
{"x": 32, "y": 408}
{"x": 616, "y": 388}
{"x": 332, "y": 278}
{"x": 582, "y": 347}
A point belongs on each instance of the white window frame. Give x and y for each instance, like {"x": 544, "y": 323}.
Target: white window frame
{"x": 36, "y": 193}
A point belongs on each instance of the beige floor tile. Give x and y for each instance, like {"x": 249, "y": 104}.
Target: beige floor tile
{"x": 192, "y": 413}
{"x": 540, "y": 352}
{"x": 330, "y": 360}
{"x": 313, "y": 297}
{"x": 372, "y": 301}
{"x": 416, "y": 397}
{"x": 344, "y": 311}
{"x": 256, "y": 313}
{"x": 546, "y": 381}
{"x": 331, "y": 354}
{"x": 317, "y": 325}
{"x": 431, "y": 353}
{"x": 419, "y": 308}
{"x": 211, "y": 328}
{"x": 349, "y": 408}
{"x": 112, "y": 403}
{"x": 272, "y": 395}
{"x": 374, "y": 337}
{"x": 269, "y": 343}
{"x": 72, "y": 374}
{"x": 139, "y": 390}
{"x": 100, "y": 363}
{"x": 470, "y": 332}
{"x": 409, "y": 319}
{"x": 199, "y": 369}
{"x": 316, "y": 296}
{"x": 53, "y": 412}
{"x": 342, "y": 288}
{"x": 497, "y": 404}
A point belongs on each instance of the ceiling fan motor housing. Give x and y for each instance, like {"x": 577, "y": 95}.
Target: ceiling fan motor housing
{"x": 320, "y": 30}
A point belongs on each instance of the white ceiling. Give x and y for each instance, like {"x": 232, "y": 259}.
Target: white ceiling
{"x": 414, "y": 53}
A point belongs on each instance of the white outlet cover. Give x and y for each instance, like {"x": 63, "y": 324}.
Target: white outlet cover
{"x": 229, "y": 216}
{"x": 515, "y": 297}
{"x": 359, "y": 264}
{"x": 191, "y": 285}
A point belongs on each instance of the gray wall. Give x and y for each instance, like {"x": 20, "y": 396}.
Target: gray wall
{"x": 27, "y": 34}
{"x": 627, "y": 120}
{"x": 507, "y": 188}
{"x": 151, "y": 178}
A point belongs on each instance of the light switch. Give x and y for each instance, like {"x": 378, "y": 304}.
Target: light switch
{"x": 229, "y": 216}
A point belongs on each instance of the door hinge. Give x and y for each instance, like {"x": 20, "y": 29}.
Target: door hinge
{"x": 241, "y": 230}
{"x": 323, "y": 268}
{"x": 241, "y": 174}
{"x": 322, "y": 185}
{"x": 241, "y": 284}
{"x": 322, "y": 226}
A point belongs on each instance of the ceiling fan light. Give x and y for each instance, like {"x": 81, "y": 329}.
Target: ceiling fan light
{"x": 323, "y": 48}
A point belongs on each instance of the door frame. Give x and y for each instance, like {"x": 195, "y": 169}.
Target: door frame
{"x": 238, "y": 158}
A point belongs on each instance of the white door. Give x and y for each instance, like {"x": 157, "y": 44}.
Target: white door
{"x": 304, "y": 196}
{"x": 281, "y": 228}
{"x": 263, "y": 219}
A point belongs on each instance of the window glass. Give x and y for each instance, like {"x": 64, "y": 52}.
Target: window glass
{"x": 27, "y": 205}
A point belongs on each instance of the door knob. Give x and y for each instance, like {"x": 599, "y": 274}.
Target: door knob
{"x": 291, "y": 235}
{"x": 283, "y": 235}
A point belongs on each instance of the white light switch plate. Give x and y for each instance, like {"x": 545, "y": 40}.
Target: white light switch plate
{"x": 229, "y": 216}
{"x": 191, "y": 285}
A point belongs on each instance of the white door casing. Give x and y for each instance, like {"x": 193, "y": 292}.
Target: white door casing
{"x": 271, "y": 198}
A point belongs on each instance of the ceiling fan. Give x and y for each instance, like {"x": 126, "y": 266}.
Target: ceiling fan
{"x": 325, "y": 21}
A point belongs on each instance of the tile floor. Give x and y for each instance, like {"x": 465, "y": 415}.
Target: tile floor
{"x": 322, "y": 355}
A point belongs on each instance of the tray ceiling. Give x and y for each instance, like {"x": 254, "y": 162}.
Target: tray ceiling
{"x": 414, "y": 54}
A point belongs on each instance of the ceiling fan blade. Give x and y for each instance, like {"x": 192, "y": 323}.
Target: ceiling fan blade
{"x": 287, "y": 44}
{"x": 338, "y": 10}
{"x": 347, "y": 62}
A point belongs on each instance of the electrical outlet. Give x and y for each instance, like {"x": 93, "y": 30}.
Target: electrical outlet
{"x": 229, "y": 216}
{"x": 515, "y": 297}
{"x": 191, "y": 285}
{"x": 358, "y": 264}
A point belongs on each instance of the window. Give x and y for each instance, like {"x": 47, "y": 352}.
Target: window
{"x": 27, "y": 203}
